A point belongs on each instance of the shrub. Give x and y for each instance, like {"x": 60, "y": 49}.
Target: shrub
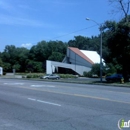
{"x": 109, "y": 74}
{"x": 4, "y": 73}
{"x": 33, "y": 75}
{"x": 36, "y": 75}
{"x": 67, "y": 76}
{"x": 87, "y": 74}
{"x": 24, "y": 76}
{"x": 29, "y": 76}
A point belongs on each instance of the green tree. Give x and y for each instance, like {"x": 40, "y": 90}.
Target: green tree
{"x": 95, "y": 69}
{"x": 8, "y": 57}
{"x": 81, "y": 43}
{"x": 39, "y": 52}
{"x": 34, "y": 66}
{"x": 118, "y": 42}
{"x": 1, "y": 62}
{"x": 13, "y": 57}
{"x": 85, "y": 43}
{"x": 56, "y": 56}
{"x": 52, "y": 50}
{"x": 57, "y": 46}
{"x": 7, "y": 67}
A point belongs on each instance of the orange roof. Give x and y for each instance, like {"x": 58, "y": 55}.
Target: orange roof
{"x": 78, "y": 52}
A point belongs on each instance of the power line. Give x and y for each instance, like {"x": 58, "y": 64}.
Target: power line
{"x": 74, "y": 32}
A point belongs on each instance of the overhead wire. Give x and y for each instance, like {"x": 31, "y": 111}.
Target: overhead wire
{"x": 74, "y": 32}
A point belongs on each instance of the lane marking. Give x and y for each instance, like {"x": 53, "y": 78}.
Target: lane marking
{"x": 14, "y": 83}
{"x": 49, "y": 103}
{"x": 60, "y": 86}
{"x": 99, "y": 98}
{"x": 77, "y": 95}
{"x": 87, "y": 96}
{"x": 118, "y": 92}
{"x": 41, "y": 101}
{"x": 19, "y": 83}
{"x": 32, "y": 99}
{"x": 38, "y": 86}
{"x": 43, "y": 86}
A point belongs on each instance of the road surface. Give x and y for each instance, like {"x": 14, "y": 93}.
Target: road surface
{"x": 41, "y": 105}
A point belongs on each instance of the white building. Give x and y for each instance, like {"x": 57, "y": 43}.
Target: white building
{"x": 75, "y": 59}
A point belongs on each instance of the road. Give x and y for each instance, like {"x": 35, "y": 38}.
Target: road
{"x": 41, "y": 105}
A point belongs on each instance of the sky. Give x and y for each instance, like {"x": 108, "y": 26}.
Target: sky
{"x": 24, "y": 23}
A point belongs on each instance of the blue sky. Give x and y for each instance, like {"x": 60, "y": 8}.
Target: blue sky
{"x": 26, "y": 22}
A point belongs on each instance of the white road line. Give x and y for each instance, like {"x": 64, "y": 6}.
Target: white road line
{"x": 19, "y": 83}
{"x": 14, "y": 83}
{"x": 50, "y": 103}
{"x": 32, "y": 99}
{"x": 42, "y": 86}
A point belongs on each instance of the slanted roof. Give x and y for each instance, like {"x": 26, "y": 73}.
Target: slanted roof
{"x": 81, "y": 54}
{"x": 93, "y": 55}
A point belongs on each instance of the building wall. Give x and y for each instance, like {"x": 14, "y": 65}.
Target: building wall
{"x": 74, "y": 58}
{"x": 1, "y": 71}
{"x": 51, "y": 65}
{"x": 48, "y": 67}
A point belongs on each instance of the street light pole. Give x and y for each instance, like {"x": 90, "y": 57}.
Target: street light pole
{"x": 101, "y": 53}
{"x": 100, "y": 27}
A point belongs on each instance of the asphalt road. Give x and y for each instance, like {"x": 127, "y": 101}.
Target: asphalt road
{"x": 40, "y": 105}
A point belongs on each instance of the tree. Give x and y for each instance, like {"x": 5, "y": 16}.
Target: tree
{"x": 9, "y": 57}
{"x": 7, "y": 67}
{"x": 85, "y": 43}
{"x": 14, "y": 58}
{"x": 17, "y": 67}
{"x": 57, "y": 46}
{"x": 34, "y": 66}
{"x": 22, "y": 58}
{"x": 39, "y": 52}
{"x": 118, "y": 42}
{"x": 52, "y": 50}
{"x": 56, "y": 56}
{"x": 95, "y": 69}
{"x": 122, "y": 5}
{"x": 1, "y": 63}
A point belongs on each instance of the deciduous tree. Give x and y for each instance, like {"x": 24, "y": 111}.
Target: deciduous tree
{"x": 122, "y": 6}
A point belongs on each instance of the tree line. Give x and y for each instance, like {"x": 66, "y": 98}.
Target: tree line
{"x": 34, "y": 59}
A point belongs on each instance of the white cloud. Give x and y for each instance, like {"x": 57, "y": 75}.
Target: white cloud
{"x": 27, "y": 45}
